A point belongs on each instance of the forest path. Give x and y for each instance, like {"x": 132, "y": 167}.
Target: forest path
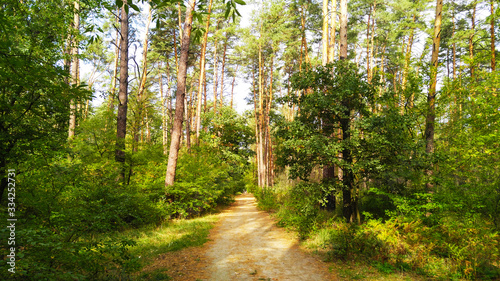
{"x": 246, "y": 245}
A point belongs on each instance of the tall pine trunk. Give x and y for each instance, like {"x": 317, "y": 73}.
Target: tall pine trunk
{"x": 75, "y": 70}
{"x": 180, "y": 96}
{"x": 492, "y": 35}
{"x": 121, "y": 119}
{"x": 324, "y": 53}
{"x": 112, "y": 90}
{"x": 202, "y": 79}
{"x": 333, "y": 15}
{"x": 431, "y": 96}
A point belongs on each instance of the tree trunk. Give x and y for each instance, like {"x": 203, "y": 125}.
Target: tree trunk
{"x": 222, "y": 74}
{"x": 180, "y": 96}
{"x": 142, "y": 84}
{"x": 202, "y": 79}
{"x": 75, "y": 71}
{"x": 471, "y": 39}
{"x": 454, "y": 48}
{"x": 112, "y": 90}
{"x": 492, "y": 35}
{"x": 333, "y": 14}
{"x": 188, "y": 124}
{"x": 372, "y": 43}
{"x": 431, "y": 96}
{"x": 408, "y": 56}
{"x": 343, "y": 29}
{"x": 304, "y": 40}
{"x": 121, "y": 120}
{"x": 324, "y": 57}
{"x": 347, "y": 175}
{"x": 262, "y": 173}
{"x": 368, "y": 29}
{"x": 163, "y": 99}
{"x": 215, "y": 75}
{"x": 232, "y": 85}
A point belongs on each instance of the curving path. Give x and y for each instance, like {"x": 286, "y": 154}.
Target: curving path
{"x": 246, "y": 245}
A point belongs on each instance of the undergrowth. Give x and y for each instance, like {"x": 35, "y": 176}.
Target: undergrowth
{"x": 445, "y": 247}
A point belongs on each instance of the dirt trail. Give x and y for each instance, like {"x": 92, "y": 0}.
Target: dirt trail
{"x": 245, "y": 245}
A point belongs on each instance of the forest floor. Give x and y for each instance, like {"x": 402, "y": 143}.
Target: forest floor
{"x": 245, "y": 244}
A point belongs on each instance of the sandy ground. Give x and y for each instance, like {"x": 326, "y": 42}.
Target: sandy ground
{"x": 245, "y": 245}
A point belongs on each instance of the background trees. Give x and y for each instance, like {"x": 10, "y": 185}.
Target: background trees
{"x": 338, "y": 117}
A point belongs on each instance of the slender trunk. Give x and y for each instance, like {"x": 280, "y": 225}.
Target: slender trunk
{"x": 188, "y": 124}
{"x": 121, "y": 119}
{"x": 382, "y": 77}
{"x": 454, "y": 48}
{"x": 112, "y": 90}
{"x": 261, "y": 121}
{"x": 163, "y": 99}
{"x": 372, "y": 43}
{"x": 347, "y": 175}
{"x": 215, "y": 75}
{"x": 368, "y": 29}
{"x": 471, "y": 39}
{"x": 343, "y": 29}
{"x": 232, "y": 85}
{"x": 408, "y": 56}
{"x": 142, "y": 84}
{"x": 222, "y": 74}
{"x": 270, "y": 177}
{"x": 431, "y": 97}
{"x": 333, "y": 14}
{"x": 304, "y": 40}
{"x": 324, "y": 58}
{"x": 180, "y": 96}
{"x": 75, "y": 71}
{"x": 257, "y": 146}
{"x": 175, "y": 53}
{"x": 492, "y": 34}
{"x": 202, "y": 79}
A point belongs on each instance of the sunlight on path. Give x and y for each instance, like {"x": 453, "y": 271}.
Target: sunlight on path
{"x": 247, "y": 246}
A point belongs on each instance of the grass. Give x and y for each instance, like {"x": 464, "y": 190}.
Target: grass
{"x": 174, "y": 235}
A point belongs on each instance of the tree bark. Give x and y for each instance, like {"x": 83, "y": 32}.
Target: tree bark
{"x": 304, "y": 40}
{"x": 232, "y": 85}
{"x": 180, "y": 96}
{"x": 333, "y": 14}
{"x": 471, "y": 39}
{"x": 112, "y": 90}
{"x": 368, "y": 43}
{"x": 222, "y": 73}
{"x": 343, "y": 29}
{"x": 216, "y": 64}
{"x": 121, "y": 120}
{"x": 142, "y": 85}
{"x": 262, "y": 170}
{"x": 454, "y": 48}
{"x": 163, "y": 99}
{"x": 492, "y": 35}
{"x": 202, "y": 79}
{"x": 324, "y": 57}
{"x": 75, "y": 71}
{"x": 431, "y": 96}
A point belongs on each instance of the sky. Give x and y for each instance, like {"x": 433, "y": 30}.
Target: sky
{"x": 241, "y": 88}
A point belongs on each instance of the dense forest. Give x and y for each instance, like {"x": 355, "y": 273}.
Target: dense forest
{"x": 371, "y": 129}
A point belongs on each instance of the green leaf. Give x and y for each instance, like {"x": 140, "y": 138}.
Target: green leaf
{"x": 241, "y": 2}
{"x": 134, "y": 7}
{"x": 119, "y": 3}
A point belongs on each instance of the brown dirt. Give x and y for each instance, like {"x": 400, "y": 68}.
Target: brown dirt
{"x": 244, "y": 245}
